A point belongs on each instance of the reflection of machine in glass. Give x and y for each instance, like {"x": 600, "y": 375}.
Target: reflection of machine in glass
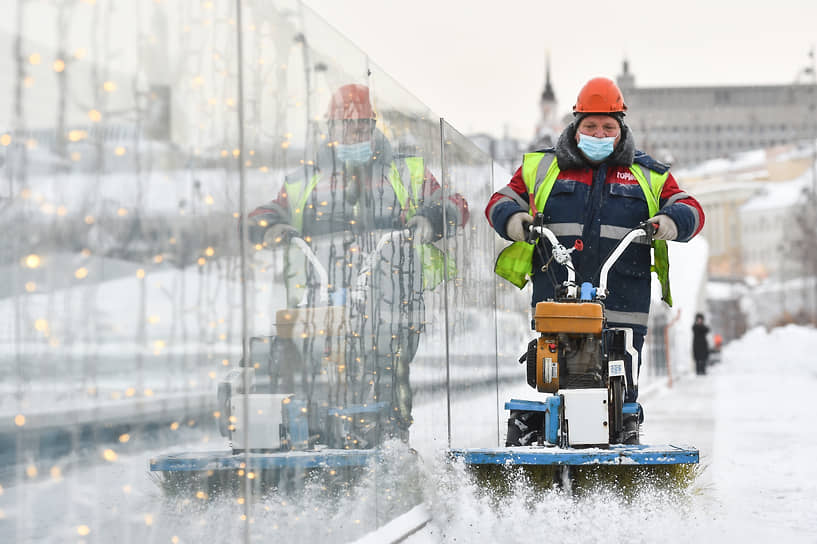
{"x": 326, "y": 389}
{"x": 343, "y": 377}
{"x": 580, "y": 362}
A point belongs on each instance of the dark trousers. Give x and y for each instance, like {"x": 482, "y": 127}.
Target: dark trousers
{"x": 700, "y": 366}
{"x": 632, "y": 389}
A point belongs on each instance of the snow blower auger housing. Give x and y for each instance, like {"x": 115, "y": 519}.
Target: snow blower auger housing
{"x": 578, "y": 363}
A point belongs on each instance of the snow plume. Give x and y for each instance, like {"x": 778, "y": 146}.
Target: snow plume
{"x": 463, "y": 511}
{"x": 322, "y": 510}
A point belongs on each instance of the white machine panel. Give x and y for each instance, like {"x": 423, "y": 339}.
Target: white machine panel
{"x": 586, "y": 415}
{"x": 263, "y": 420}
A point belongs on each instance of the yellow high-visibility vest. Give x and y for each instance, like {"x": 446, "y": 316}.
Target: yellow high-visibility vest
{"x": 435, "y": 263}
{"x": 515, "y": 262}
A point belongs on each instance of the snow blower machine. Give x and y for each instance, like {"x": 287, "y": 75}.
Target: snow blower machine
{"x": 313, "y": 401}
{"x": 581, "y": 432}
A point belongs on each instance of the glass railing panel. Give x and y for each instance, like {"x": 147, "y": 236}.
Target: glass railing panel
{"x": 120, "y": 298}
{"x": 513, "y": 329}
{"x": 414, "y": 135}
{"x": 144, "y": 169}
{"x": 335, "y": 288}
{"x": 471, "y": 321}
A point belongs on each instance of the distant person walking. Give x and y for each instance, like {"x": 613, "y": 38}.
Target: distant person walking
{"x": 700, "y": 346}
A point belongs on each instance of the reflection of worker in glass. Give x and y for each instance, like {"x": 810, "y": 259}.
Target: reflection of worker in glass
{"x": 343, "y": 205}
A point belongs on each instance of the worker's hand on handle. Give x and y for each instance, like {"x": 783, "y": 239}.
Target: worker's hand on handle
{"x": 665, "y": 228}
{"x": 422, "y": 229}
{"x": 279, "y": 233}
{"x": 518, "y": 226}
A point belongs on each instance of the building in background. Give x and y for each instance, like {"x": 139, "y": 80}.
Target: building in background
{"x": 506, "y": 151}
{"x": 722, "y": 203}
{"x": 753, "y": 201}
{"x": 767, "y": 223}
{"x": 688, "y": 125}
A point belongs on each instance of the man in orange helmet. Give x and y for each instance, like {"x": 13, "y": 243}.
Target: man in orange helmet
{"x": 594, "y": 185}
{"x": 356, "y": 191}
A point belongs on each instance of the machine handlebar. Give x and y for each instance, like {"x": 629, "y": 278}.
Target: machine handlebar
{"x": 645, "y": 230}
{"x": 368, "y": 263}
{"x": 561, "y": 254}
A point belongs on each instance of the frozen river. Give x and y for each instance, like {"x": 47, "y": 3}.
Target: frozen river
{"x": 749, "y": 417}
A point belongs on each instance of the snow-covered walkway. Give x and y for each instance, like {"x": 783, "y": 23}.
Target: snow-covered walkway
{"x": 752, "y": 418}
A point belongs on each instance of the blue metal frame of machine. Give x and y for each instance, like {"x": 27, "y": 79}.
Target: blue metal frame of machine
{"x": 616, "y": 454}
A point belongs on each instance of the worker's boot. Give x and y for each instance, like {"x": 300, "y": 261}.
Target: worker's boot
{"x": 630, "y": 431}
{"x": 524, "y": 428}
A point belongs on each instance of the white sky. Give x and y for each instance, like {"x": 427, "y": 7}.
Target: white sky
{"x": 481, "y": 64}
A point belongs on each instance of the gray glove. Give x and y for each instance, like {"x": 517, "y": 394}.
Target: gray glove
{"x": 667, "y": 229}
{"x": 422, "y": 229}
{"x": 517, "y": 226}
{"x": 280, "y": 232}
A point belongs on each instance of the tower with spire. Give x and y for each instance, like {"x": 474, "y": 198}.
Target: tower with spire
{"x": 548, "y": 100}
{"x": 547, "y": 127}
{"x": 625, "y": 80}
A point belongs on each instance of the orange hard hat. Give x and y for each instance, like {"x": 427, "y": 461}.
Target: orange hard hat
{"x": 600, "y": 95}
{"x": 350, "y": 102}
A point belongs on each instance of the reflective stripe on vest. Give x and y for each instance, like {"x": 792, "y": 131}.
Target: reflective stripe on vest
{"x": 434, "y": 262}
{"x": 515, "y": 261}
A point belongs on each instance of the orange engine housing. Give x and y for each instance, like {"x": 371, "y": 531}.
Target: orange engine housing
{"x": 553, "y": 320}
{"x": 569, "y": 317}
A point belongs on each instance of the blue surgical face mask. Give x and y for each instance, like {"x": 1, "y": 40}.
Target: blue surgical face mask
{"x": 354, "y": 153}
{"x": 596, "y": 149}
